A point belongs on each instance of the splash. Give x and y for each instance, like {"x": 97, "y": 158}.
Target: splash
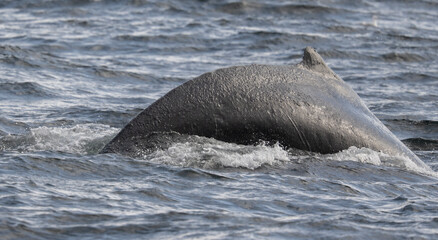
{"x": 208, "y": 153}
{"x": 201, "y": 152}
{"x": 79, "y": 139}
{"x": 368, "y": 156}
{"x": 216, "y": 154}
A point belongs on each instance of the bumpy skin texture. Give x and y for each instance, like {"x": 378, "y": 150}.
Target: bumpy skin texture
{"x": 304, "y": 106}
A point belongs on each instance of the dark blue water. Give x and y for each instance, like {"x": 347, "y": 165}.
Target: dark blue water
{"x": 72, "y": 73}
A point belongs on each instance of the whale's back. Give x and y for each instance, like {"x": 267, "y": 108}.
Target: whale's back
{"x": 304, "y": 106}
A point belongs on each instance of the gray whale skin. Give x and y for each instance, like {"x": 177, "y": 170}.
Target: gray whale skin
{"x": 304, "y": 106}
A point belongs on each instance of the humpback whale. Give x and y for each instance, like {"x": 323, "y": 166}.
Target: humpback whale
{"x": 304, "y": 106}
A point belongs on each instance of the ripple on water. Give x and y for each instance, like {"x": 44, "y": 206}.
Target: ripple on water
{"x": 24, "y": 89}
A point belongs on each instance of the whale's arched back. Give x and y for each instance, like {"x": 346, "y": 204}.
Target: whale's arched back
{"x": 304, "y": 106}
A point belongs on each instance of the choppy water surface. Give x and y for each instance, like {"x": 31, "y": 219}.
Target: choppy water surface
{"x": 72, "y": 73}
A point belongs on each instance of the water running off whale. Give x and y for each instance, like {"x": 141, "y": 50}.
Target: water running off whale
{"x": 304, "y": 106}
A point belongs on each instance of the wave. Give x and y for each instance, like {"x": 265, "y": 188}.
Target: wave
{"x": 69, "y": 3}
{"x": 339, "y": 54}
{"x": 421, "y": 144}
{"x": 110, "y": 117}
{"x": 105, "y": 72}
{"x": 17, "y": 56}
{"x": 272, "y": 39}
{"x": 44, "y": 4}
{"x": 22, "y": 57}
{"x": 414, "y": 38}
{"x": 30, "y": 58}
{"x": 414, "y": 77}
{"x": 194, "y": 42}
{"x": 109, "y": 73}
{"x": 299, "y": 9}
{"x": 421, "y": 123}
{"x": 26, "y": 89}
{"x": 342, "y": 29}
{"x": 403, "y": 57}
{"x": 407, "y": 128}
{"x": 242, "y": 7}
{"x": 8, "y": 127}
{"x": 16, "y": 61}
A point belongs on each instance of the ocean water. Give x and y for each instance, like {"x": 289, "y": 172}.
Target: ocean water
{"x": 73, "y": 73}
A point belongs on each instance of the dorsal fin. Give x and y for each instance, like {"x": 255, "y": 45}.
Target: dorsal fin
{"x": 313, "y": 61}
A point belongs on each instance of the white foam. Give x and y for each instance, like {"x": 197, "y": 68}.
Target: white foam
{"x": 220, "y": 154}
{"x": 212, "y": 154}
{"x": 204, "y": 153}
{"x": 365, "y": 155}
{"x": 80, "y": 139}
